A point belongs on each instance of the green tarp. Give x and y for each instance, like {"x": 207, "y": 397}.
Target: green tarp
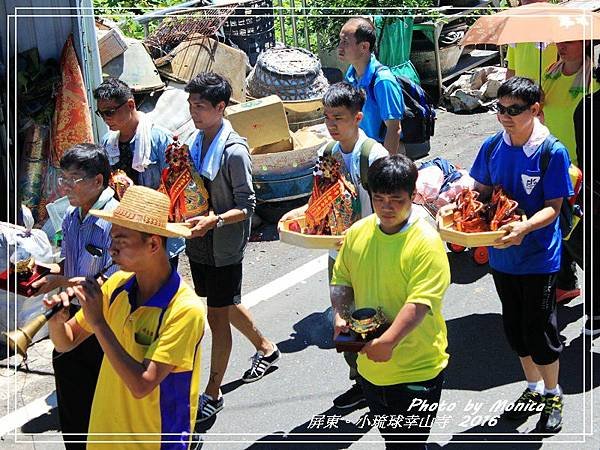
{"x": 394, "y": 41}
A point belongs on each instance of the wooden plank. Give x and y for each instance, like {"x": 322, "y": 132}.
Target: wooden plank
{"x": 190, "y": 58}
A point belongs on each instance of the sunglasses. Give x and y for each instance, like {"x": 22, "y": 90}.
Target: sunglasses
{"x": 109, "y": 112}
{"x": 512, "y": 110}
{"x": 63, "y": 181}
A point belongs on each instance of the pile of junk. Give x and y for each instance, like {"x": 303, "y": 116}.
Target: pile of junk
{"x": 276, "y": 104}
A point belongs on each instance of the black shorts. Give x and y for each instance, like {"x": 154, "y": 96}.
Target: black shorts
{"x": 529, "y": 315}
{"x": 222, "y": 286}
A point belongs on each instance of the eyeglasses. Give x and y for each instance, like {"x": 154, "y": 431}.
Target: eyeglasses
{"x": 512, "y": 110}
{"x": 70, "y": 182}
{"x": 109, "y": 112}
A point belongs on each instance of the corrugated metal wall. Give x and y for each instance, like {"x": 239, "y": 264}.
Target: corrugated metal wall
{"x": 44, "y": 24}
{"x": 48, "y": 34}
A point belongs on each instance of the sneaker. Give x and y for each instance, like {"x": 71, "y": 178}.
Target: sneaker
{"x": 592, "y": 327}
{"x": 208, "y": 407}
{"x": 353, "y": 397}
{"x": 563, "y": 295}
{"x": 260, "y": 364}
{"x": 551, "y": 418}
{"x": 526, "y": 405}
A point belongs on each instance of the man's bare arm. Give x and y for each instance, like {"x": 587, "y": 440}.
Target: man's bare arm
{"x": 140, "y": 378}
{"x": 342, "y": 302}
{"x": 392, "y": 138}
{"x": 408, "y": 318}
{"x": 65, "y": 333}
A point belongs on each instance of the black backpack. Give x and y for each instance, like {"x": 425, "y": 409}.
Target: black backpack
{"x": 418, "y": 123}
{"x": 570, "y": 211}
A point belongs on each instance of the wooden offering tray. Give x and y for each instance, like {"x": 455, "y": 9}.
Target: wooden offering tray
{"x": 316, "y": 241}
{"x": 448, "y": 232}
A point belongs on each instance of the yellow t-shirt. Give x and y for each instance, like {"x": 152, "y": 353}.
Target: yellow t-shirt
{"x": 524, "y": 59}
{"x": 389, "y": 271}
{"x": 168, "y": 413}
{"x": 559, "y": 106}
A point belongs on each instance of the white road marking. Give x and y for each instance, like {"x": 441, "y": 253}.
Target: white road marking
{"x": 28, "y": 412}
{"x": 42, "y": 405}
{"x": 285, "y": 282}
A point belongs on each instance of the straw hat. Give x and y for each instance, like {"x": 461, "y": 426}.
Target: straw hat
{"x": 146, "y": 210}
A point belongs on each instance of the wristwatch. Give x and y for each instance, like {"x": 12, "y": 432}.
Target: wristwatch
{"x": 220, "y": 221}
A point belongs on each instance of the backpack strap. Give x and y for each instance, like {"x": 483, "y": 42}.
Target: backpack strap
{"x": 365, "y": 151}
{"x": 328, "y": 151}
{"x": 546, "y": 153}
{"x": 492, "y": 145}
{"x": 378, "y": 69}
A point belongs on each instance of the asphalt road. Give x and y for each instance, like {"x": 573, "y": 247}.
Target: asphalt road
{"x": 284, "y": 409}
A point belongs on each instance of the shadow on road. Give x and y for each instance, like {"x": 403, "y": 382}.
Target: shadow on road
{"x": 477, "y": 342}
{"x": 43, "y": 423}
{"x": 314, "y": 329}
{"x": 492, "y": 438}
{"x": 307, "y": 435}
{"x": 464, "y": 269}
{"x": 480, "y": 357}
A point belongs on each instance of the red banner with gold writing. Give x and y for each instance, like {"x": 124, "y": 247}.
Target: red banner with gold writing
{"x": 320, "y": 207}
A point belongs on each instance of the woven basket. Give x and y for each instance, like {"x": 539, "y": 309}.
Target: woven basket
{"x": 289, "y": 72}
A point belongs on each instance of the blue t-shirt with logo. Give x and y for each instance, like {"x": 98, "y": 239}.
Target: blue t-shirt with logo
{"x": 384, "y": 99}
{"x": 520, "y": 176}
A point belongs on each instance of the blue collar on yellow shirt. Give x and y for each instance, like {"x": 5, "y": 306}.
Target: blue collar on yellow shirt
{"x": 162, "y": 297}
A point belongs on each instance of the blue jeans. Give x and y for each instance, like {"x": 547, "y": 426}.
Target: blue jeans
{"x": 395, "y": 402}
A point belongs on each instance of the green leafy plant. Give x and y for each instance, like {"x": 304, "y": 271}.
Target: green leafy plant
{"x": 124, "y": 12}
{"x": 323, "y": 19}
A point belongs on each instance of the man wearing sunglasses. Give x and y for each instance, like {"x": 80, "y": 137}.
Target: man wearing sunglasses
{"x": 84, "y": 180}
{"x": 134, "y": 144}
{"x": 526, "y": 260}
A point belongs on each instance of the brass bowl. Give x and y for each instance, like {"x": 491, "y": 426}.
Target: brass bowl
{"x": 366, "y": 320}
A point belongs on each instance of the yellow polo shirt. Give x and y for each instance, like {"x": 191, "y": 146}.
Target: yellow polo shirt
{"x": 559, "y": 106}
{"x": 524, "y": 59}
{"x": 166, "y": 329}
{"x": 389, "y": 271}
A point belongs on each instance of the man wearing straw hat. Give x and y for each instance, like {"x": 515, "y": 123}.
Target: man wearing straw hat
{"x": 149, "y": 324}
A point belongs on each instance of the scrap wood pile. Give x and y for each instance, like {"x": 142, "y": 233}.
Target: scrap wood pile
{"x": 175, "y": 29}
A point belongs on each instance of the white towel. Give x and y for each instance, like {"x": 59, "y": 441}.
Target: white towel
{"x": 212, "y": 160}
{"x": 538, "y": 136}
{"x": 143, "y": 144}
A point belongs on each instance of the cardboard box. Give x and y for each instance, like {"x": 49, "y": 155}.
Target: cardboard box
{"x": 111, "y": 44}
{"x": 261, "y": 121}
{"x": 305, "y": 138}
